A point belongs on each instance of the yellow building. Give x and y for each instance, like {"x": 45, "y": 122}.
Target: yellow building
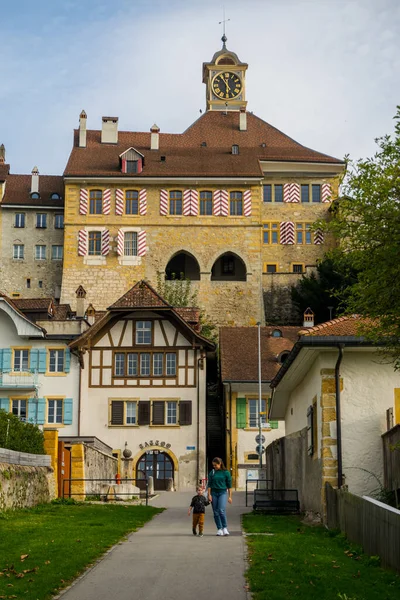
{"x": 229, "y": 203}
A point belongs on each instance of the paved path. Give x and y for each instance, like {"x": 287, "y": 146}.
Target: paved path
{"x": 163, "y": 560}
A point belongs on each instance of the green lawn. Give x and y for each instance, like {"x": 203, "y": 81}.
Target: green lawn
{"x": 59, "y": 541}
{"x": 303, "y": 562}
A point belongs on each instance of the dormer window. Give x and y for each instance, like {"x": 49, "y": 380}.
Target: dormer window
{"x": 235, "y": 149}
{"x": 132, "y": 161}
{"x": 131, "y": 166}
{"x": 35, "y": 195}
{"x": 55, "y": 196}
{"x": 276, "y": 333}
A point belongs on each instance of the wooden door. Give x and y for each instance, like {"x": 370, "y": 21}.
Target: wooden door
{"x": 64, "y": 470}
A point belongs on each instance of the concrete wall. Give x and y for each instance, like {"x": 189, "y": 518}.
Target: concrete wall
{"x": 24, "y": 458}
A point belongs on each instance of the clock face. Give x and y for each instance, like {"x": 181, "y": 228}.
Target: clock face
{"x": 226, "y": 85}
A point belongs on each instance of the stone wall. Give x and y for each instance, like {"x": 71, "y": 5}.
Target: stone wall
{"x": 98, "y": 465}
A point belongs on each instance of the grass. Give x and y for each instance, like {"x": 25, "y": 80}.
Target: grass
{"x": 45, "y": 548}
{"x": 304, "y": 562}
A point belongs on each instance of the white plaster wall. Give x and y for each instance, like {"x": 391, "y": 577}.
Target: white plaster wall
{"x": 368, "y": 391}
{"x": 246, "y": 443}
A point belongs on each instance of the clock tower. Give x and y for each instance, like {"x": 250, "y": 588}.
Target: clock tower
{"x": 225, "y": 79}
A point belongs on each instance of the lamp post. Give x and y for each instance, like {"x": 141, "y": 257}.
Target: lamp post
{"x": 259, "y": 397}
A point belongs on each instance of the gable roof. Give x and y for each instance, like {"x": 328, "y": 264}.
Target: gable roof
{"x": 12, "y": 308}
{"x": 185, "y": 154}
{"x": 34, "y": 304}
{"x": 18, "y": 188}
{"x": 140, "y": 295}
{"x": 342, "y": 326}
{"x": 239, "y": 352}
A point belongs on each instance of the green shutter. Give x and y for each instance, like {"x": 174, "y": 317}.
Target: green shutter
{"x": 68, "y": 411}
{"x": 42, "y": 361}
{"x": 34, "y": 360}
{"x": 32, "y": 410}
{"x": 1, "y": 359}
{"x": 241, "y": 413}
{"x": 41, "y": 411}
{"x": 67, "y": 361}
{"x": 5, "y": 404}
{"x": 274, "y": 424}
{"x": 6, "y": 359}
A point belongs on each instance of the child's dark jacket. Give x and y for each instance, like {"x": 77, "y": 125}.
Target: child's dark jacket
{"x": 199, "y": 504}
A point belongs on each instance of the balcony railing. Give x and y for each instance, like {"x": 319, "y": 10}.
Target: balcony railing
{"x": 19, "y": 380}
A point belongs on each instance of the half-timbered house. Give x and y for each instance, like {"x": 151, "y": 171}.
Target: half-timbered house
{"x": 143, "y": 387}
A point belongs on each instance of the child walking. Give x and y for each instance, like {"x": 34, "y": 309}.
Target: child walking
{"x": 198, "y": 504}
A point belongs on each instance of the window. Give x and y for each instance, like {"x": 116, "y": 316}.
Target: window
{"x": 206, "y": 206}
{"x": 131, "y": 166}
{"x": 56, "y": 252}
{"x": 58, "y": 221}
{"x": 35, "y": 195}
{"x": 236, "y": 206}
{"x": 28, "y": 283}
{"x": 40, "y": 252}
{"x": 271, "y": 233}
{"x": 56, "y": 362}
{"x": 298, "y": 268}
{"x": 171, "y": 363}
{"x": 94, "y": 243}
{"x": 303, "y": 233}
{"x": 278, "y": 192}
{"x": 132, "y": 202}
{"x": 316, "y": 192}
{"x": 145, "y": 364}
{"x": 270, "y": 268}
{"x": 18, "y": 251}
{"x": 18, "y": 408}
{"x": 228, "y": 265}
{"x": 130, "y": 243}
{"x": 158, "y": 367}
{"x": 267, "y": 192}
{"x": 171, "y": 413}
{"x": 132, "y": 367}
{"x": 130, "y": 413}
{"x": 21, "y": 360}
{"x": 96, "y": 202}
{"x": 55, "y": 196}
{"x": 143, "y": 332}
{"x": 40, "y": 283}
{"x": 276, "y": 333}
{"x": 305, "y": 193}
{"x": 235, "y": 149}
{"x": 253, "y": 410}
{"x": 54, "y": 411}
{"x": 175, "y": 203}
{"x": 19, "y": 220}
{"x": 119, "y": 369}
{"x": 282, "y": 357}
{"x": 41, "y": 220}
{"x": 123, "y": 412}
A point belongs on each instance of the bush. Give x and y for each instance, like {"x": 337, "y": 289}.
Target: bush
{"x": 19, "y": 436}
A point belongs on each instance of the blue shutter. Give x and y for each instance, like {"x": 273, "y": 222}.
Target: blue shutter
{"x": 42, "y": 361}
{"x": 1, "y": 359}
{"x": 34, "y": 360}
{"x": 6, "y": 359}
{"x": 32, "y": 409}
{"x": 68, "y": 411}
{"x": 41, "y": 411}
{"x": 67, "y": 361}
{"x": 5, "y": 404}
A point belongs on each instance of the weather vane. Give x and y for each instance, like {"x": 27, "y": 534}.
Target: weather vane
{"x": 223, "y": 22}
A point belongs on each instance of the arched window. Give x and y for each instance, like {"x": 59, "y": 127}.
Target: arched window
{"x": 35, "y": 195}
{"x": 55, "y": 196}
{"x": 282, "y": 357}
{"x": 228, "y": 267}
{"x": 183, "y": 266}
{"x": 276, "y": 333}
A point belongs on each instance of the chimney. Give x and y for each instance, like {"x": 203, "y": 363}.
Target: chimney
{"x": 243, "y": 119}
{"x": 155, "y": 138}
{"x": 109, "y": 130}
{"x": 2, "y": 154}
{"x": 90, "y": 314}
{"x": 80, "y": 302}
{"x": 35, "y": 180}
{"x": 308, "y": 319}
{"x": 82, "y": 129}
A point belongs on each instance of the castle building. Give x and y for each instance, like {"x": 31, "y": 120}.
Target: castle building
{"x": 229, "y": 203}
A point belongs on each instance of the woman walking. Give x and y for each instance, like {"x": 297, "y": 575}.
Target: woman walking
{"x": 219, "y": 492}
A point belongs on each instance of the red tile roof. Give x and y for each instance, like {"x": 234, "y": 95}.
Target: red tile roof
{"x": 18, "y": 189}
{"x": 33, "y": 304}
{"x": 239, "y": 351}
{"x": 186, "y": 156}
{"x": 342, "y": 326}
{"x": 11, "y": 303}
{"x": 140, "y": 295}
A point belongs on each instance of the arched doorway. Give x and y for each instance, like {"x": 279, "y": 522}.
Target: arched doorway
{"x": 228, "y": 267}
{"x": 156, "y": 464}
{"x": 183, "y": 265}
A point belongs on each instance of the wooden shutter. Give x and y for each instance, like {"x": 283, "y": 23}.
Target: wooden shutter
{"x": 326, "y": 192}
{"x": 143, "y": 202}
{"x": 141, "y": 243}
{"x": 318, "y": 236}
{"x": 294, "y": 193}
{"x": 187, "y": 202}
{"x": 5, "y": 404}
{"x": 117, "y": 412}
{"x": 194, "y": 206}
{"x": 185, "y": 412}
{"x": 42, "y": 361}
{"x": 241, "y": 413}
{"x": 105, "y": 242}
{"x": 224, "y": 203}
{"x": 144, "y": 413}
{"x": 119, "y": 202}
{"x": 120, "y": 242}
{"x": 83, "y": 202}
{"x": 247, "y": 203}
{"x": 34, "y": 360}
{"x": 106, "y": 202}
{"x": 67, "y": 363}
{"x": 82, "y": 242}
{"x": 68, "y": 411}
{"x": 32, "y": 410}
{"x": 158, "y": 412}
{"x": 286, "y": 192}
{"x": 163, "y": 202}
{"x": 217, "y": 203}
{"x": 6, "y": 359}
{"x": 286, "y": 232}
{"x": 41, "y": 411}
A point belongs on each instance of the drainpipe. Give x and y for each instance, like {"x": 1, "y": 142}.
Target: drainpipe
{"x": 198, "y": 421}
{"x": 338, "y": 417}
{"x": 230, "y": 430}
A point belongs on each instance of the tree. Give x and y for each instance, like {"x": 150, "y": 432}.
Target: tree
{"x": 367, "y": 223}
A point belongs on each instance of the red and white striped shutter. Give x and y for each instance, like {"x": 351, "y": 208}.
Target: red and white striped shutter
{"x": 143, "y": 202}
{"x": 141, "y": 243}
{"x": 83, "y": 201}
{"x": 106, "y": 202}
{"x": 294, "y": 193}
{"x": 247, "y": 203}
{"x": 224, "y": 203}
{"x": 120, "y": 242}
{"x": 318, "y": 236}
{"x": 163, "y": 202}
{"x": 105, "y": 242}
{"x": 187, "y": 201}
{"x": 194, "y": 211}
{"x": 326, "y": 192}
{"x": 287, "y": 232}
{"x": 217, "y": 203}
{"x": 123, "y": 166}
{"x": 82, "y": 242}
{"x": 286, "y": 192}
{"x": 119, "y": 202}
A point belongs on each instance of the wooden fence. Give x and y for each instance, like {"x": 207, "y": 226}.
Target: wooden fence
{"x": 365, "y": 521}
{"x": 391, "y": 458}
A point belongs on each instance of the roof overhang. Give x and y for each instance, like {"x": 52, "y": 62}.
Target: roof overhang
{"x": 25, "y": 328}
{"x": 200, "y": 180}
{"x": 301, "y": 168}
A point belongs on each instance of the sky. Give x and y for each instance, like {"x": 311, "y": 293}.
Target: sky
{"x": 325, "y": 72}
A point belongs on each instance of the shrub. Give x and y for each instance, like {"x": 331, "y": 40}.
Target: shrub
{"x": 20, "y": 436}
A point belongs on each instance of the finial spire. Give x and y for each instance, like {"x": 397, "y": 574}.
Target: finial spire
{"x": 224, "y": 38}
